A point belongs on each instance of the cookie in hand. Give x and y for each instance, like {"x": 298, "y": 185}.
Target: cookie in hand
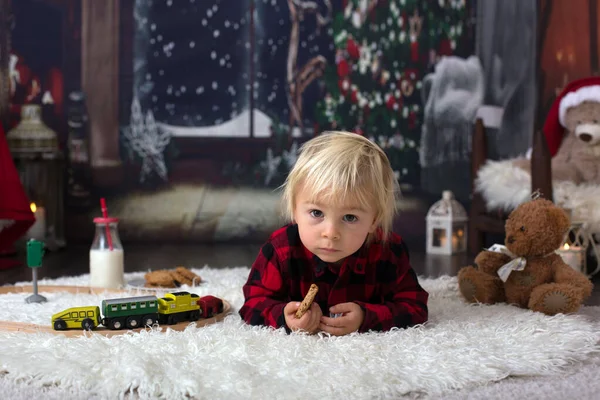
{"x": 308, "y": 300}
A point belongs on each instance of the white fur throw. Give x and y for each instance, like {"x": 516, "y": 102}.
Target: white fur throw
{"x": 504, "y": 186}
{"x": 461, "y": 346}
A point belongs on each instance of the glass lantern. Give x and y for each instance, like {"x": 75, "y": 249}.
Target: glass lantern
{"x": 573, "y": 251}
{"x": 447, "y": 226}
{"x": 35, "y": 150}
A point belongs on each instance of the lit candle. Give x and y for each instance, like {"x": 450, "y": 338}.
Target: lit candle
{"x": 572, "y": 255}
{"x": 38, "y": 229}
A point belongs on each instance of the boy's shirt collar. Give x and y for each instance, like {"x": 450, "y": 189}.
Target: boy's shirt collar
{"x": 356, "y": 262}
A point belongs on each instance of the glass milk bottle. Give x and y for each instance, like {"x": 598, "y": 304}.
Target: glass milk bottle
{"x": 106, "y": 255}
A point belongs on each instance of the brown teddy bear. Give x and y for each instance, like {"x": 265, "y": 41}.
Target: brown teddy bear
{"x": 572, "y": 131}
{"x": 527, "y": 272}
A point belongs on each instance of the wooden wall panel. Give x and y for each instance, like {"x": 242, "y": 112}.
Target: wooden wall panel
{"x": 100, "y": 82}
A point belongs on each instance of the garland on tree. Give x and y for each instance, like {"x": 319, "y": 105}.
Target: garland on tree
{"x": 383, "y": 49}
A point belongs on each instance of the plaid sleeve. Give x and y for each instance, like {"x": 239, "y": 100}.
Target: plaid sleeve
{"x": 264, "y": 294}
{"x": 405, "y": 301}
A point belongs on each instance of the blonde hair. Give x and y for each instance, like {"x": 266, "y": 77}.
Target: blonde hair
{"x": 342, "y": 167}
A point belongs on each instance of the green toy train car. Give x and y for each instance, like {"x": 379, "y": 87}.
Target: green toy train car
{"x": 130, "y": 312}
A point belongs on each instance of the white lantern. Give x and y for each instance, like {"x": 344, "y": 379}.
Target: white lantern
{"x": 447, "y": 226}
{"x": 575, "y": 245}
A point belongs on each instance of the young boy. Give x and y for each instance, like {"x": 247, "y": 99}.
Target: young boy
{"x": 340, "y": 196}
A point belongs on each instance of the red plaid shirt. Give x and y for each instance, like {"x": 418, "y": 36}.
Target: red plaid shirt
{"x": 378, "y": 277}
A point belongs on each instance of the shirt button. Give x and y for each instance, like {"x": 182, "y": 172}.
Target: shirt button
{"x": 359, "y": 268}
{"x": 319, "y": 268}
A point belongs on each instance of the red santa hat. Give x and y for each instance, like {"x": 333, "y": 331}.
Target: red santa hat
{"x": 575, "y": 93}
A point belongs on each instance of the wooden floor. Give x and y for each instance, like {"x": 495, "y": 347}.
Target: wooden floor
{"x": 74, "y": 259}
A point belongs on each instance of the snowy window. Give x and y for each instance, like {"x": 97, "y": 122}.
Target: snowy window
{"x": 182, "y": 70}
{"x": 195, "y": 75}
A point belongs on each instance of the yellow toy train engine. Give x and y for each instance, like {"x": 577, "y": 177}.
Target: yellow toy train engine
{"x": 178, "y": 306}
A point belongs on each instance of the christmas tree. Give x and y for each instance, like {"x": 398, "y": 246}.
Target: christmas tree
{"x": 383, "y": 50}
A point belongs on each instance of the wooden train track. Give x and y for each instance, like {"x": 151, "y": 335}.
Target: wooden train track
{"x": 25, "y": 327}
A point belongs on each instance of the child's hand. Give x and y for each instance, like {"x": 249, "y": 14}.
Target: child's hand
{"x": 309, "y": 322}
{"x": 351, "y": 319}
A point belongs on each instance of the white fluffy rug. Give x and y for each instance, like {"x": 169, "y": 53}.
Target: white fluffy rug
{"x": 462, "y": 347}
{"x": 504, "y": 186}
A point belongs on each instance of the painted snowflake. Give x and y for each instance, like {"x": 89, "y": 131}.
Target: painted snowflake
{"x": 145, "y": 138}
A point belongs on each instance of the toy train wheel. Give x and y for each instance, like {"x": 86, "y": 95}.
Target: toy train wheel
{"x": 87, "y": 324}
{"x": 171, "y": 320}
{"x": 116, "y": 324}
{"x": 133, "y": 322}
{"x": 149, "y": 320}
{"x": 220, "y": 308}
{"x": 194, "y": 315}
{"x": 60, "y": 325}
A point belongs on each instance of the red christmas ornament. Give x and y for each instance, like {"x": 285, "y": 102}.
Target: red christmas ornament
{"x": 352, "y": 48}
{"x": 354, "y": 96}
{"x": 390, "y": 102}
{"x": 414, "y": 51}
{"x": 343, "y": 69}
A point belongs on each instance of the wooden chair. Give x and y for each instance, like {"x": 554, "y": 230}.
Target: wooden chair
{"x": 481, "y": 220}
